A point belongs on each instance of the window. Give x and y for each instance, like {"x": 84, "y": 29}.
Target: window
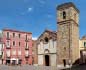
{"x": 84, "y": 44}
{"x": 64, "y": 15}
{"x": 26, "y": 44}
{"x": 8, "y": 53}
{"x": 13, "y": 34}
{"x": 26, "y": 53}
{"x": 13, "y": 43}
{"x": 19, "y": 35}
{"x": 7, "y": 34}
{"x": 19, "y": 43}
{"x": 13, "y": 52}
{"x": 8, "y": 43}
{"x": 26, "y": 37}
{"x": 46, "y": 39}
{"x": 19, "y": 52}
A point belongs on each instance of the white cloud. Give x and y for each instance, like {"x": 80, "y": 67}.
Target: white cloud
{"x": 30, "y": 9}
{"x": 34, "y": 38}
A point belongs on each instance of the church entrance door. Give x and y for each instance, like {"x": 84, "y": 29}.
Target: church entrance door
{"x": 47, "y": 60}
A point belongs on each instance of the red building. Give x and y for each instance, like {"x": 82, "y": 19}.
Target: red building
{"x": 17, "y": 47}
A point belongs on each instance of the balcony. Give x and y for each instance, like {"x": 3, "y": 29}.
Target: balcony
{"x": 27, "y": 48}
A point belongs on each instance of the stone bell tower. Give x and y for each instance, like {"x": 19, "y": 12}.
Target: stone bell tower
{"x": 68, "y": 34}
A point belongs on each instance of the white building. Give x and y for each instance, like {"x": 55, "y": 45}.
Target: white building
{"x": 46, "y": 44}
{"x": 82, "y": 48}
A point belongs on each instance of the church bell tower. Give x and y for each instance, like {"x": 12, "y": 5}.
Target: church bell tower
{"x": 67, "y": 34}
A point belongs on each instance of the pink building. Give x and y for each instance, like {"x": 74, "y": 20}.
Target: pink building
{"x": 17, "y": 47}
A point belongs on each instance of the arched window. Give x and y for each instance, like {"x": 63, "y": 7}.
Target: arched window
{"x": 84, "y": 44}
{"x": 64, "y": 15}
{"x": 46, "y": 39}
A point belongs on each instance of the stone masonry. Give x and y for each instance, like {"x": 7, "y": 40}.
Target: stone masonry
{"x": 68, "y": 34}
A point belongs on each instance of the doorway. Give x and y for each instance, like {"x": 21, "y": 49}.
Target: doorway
{"x": 64, "y": 62}
{"x": 20, "y": 61}
{"x": 47, "y": 60}
{"x": 85, "y": 60}
{"x": 8, "y": 61}
{"x": 13, "y": 62}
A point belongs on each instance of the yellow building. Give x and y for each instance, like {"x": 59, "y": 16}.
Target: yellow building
{"x": 82, "y": 48}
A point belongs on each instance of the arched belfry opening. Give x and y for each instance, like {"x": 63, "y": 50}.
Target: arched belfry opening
{"x": 47, "y": 63}
{"x": 64, "y": 15}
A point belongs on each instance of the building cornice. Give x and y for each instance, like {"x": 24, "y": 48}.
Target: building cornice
{"x": 67, "y": 5}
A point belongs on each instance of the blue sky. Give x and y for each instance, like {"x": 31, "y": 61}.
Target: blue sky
{"x": 36, "y": 15}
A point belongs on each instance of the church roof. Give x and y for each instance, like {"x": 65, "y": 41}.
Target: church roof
{"x": 50, "y": 34}
{"x": 50, "y": 31}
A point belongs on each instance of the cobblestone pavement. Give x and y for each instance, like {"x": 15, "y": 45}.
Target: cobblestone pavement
{"x": 27, "y": 67}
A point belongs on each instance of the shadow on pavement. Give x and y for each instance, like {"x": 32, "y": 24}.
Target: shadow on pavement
{"x": 78, "y": 67}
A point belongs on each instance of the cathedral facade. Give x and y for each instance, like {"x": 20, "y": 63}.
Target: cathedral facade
{"x": 46, "y": 44}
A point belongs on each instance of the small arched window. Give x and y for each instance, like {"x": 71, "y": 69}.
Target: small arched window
{"x": 46, "y": 39}
{"x": 64, "y": 15}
